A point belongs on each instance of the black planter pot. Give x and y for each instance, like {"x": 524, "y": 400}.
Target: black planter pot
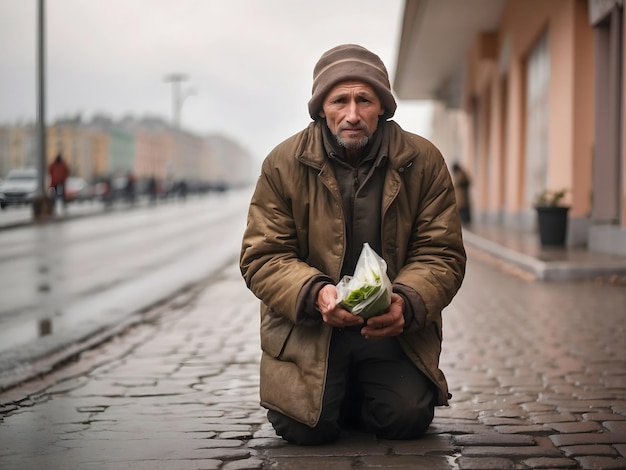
{"x": 552, "y": 222}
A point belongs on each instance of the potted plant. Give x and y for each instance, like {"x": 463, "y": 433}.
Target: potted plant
{"x": 552, "y": 217}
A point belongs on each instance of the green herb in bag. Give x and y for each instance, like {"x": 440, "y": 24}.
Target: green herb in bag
{"x": 368, "y": 292}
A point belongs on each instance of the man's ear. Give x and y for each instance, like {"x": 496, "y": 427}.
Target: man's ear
{"x": 381, "y": 112}
{"x": 322, "y": 114}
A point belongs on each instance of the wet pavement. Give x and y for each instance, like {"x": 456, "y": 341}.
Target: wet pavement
{"x": 537, "y": 371}
{"x": 520, "y": 251}
{"x": 76, "y": 280}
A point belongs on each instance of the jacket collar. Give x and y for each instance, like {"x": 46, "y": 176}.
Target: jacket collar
{"x": 374, "y": 151}
{"x": 311, "y": 149}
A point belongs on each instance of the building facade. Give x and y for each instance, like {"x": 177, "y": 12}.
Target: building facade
{"x": 150, "y": 148}
{"x": 528, "y": 96}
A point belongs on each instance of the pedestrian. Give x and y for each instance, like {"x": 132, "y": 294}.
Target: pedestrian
{"x": 108, "y": 194}
{"x": 351, "y": 176}
{"x": 182, "y": 190}
{"x": 152, "y": 190}
{"x": 58, "y": 171}
{"x": 461, "y": 185}
{"x": 129, "y": 189}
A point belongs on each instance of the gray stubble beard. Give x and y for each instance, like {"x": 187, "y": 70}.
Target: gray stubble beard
{"x": 353, "y": 145}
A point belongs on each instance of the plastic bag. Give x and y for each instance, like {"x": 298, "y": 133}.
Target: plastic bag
{"x": 368, "y": 292}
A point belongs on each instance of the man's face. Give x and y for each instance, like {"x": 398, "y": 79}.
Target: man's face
{"x": 351, "y": 110}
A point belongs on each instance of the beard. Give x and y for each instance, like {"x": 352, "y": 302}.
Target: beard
{"x": 353, "y": 144}
{"x": 358, "y": 144}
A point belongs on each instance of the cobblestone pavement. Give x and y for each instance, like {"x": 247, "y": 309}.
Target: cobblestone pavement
{"x": 537, "y": 370}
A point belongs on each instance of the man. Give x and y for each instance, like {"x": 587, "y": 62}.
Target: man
{"x": 59, "y": 172}
{"x": 351, "y": 177}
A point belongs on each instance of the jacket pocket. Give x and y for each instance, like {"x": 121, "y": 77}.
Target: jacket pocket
{"x": 275, "y": 332}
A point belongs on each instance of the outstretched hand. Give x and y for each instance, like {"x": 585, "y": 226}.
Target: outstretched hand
{"x": 387, "y": 324}
{"x": 331, "y": 312}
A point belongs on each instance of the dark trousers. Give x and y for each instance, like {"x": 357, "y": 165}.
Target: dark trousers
{"x": 59, "y": 194}
{"x": 371, "y": 386}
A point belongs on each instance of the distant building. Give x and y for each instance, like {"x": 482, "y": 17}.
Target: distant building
{"x": 18, "y": 148}
{"x": 229, "y": 162}
{"x": 146, "y": 147}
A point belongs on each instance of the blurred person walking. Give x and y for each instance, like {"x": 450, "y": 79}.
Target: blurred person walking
{"x": 58, "y": 171}
{"x": 352, "y": 177}
{"x": 129, "y": 189}
{"x": 108, "y": 192}
{"x": 461, "y": 186}
{"x": 152, "y": 190}
{"x": 182, "y": 190}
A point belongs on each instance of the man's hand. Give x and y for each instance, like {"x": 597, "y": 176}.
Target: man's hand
{"x": 331, "y": 312}
{"x": 387, "y": 324}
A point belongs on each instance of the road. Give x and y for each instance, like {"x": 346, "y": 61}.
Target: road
{"x": 61, "y": 283}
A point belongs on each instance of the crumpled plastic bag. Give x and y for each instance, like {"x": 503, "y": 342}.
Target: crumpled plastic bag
{"x": 368, "y": 292}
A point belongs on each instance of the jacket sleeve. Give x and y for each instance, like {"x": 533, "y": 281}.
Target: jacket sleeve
{"x": 270, "y": 262}
{"x": 436, "y": 259}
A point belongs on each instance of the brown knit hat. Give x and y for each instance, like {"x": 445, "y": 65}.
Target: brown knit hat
{"x": 350, "y": 62}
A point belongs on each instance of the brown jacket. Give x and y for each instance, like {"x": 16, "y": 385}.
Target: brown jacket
{"x": 296, "y": 231}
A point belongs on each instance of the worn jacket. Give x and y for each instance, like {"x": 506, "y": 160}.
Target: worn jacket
{"x": 296, "y": 231}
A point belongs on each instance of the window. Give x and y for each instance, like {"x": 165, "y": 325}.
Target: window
{"x": 537, "y": 119}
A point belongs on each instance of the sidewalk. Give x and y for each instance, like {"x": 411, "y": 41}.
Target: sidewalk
{"x": 537, "y": 380}
{"x": 12, "y": 217}
{"x": 521, "y": 252}
{"x": 536, "y": 370}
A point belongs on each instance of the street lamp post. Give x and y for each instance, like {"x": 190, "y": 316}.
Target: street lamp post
{"x": 183, "y": 96}
{"x": 42, "y": 206}
{"x": 178, "y": 96}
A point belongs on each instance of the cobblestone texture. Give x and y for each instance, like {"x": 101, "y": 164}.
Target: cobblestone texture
{"x": 537, "y": 372}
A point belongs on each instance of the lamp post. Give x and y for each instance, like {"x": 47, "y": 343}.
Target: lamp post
{"x": 42, "y": 206}
{"x": 183, "y": 96}
{"x": 178, "y": 96}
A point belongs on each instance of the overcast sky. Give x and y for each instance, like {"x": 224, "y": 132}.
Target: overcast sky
{"x": 250, "y": 61}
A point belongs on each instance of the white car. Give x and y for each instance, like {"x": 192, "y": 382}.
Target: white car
{"x": 19, "y": 187}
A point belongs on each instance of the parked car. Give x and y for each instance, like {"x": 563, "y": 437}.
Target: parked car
{"x": 77, "y": 189}
{"x": 19, "y": 187}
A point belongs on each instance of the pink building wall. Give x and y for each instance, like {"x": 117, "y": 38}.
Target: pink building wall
{"x": 496, "y": 80}
{"x": 569, "y": 57}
